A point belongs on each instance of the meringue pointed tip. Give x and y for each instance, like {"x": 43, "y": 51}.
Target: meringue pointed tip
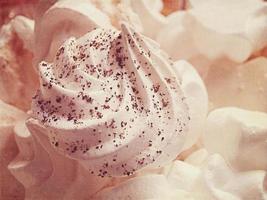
{"x": 125, "y": 27}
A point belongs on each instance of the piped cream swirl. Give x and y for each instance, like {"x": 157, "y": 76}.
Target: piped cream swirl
{"x": 112, "y": 101}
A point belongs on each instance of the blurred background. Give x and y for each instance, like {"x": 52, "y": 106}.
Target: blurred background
{"x": 10, "y": 8}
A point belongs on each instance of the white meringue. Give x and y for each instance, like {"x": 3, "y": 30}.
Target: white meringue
{"x": 112, "y": 100}
{"x": 211, "y": 179}
{"x": 65, "y": 19}
{"x": 46, "y": 174}
{"x": 175, "y": 37}
{"x": 119, "y": 12}
{"x": 10, "y": 187}
{"x": 197, "y": 100}
{"x": 148, "y": 187}
{"x": 149, "y": 14}
{"x": 236, "y": 35}
{"x": 198, "y": 157}
{"x": 202, "y": 31}
{"x": 239, "y": 136}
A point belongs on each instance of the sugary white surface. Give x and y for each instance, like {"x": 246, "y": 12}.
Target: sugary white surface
{"x": 197, "y": 100}
{"x": 212, "y": 179}
{"x": 240, "y": 136}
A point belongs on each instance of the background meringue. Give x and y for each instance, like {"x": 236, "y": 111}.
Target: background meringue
{"x": 239, "y": 136}
{"x": 210, "y": 179}
{"x": 202, "y": 36}
{"x": 46, "y": 174}
{"x": 9, "y": 115}
{"x": 197, "y": 99}
{"x": 65, "y": 19}
{"x": 149, "y": 13}
{"x": 244, "y": 84}
{"x": 17, "y": 78}
{"x": 145, "y": 187}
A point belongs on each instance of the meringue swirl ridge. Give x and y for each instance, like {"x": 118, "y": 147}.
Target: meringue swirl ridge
{"x": 111, "y": 100}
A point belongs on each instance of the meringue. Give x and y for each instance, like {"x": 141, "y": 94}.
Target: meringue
{"x": 9, "y": 115}
{"x": 201, "y": 32}
{"x": 23, "y": 27}
{"x": 44, "y": 173}
{"x": 112, "y": 101}
{"x": 238, "y": 34}
{"x": 140, "y": 188}
{"x": 125, "y": 14}
{"x": 218, "y": 181}
{"x": 211, "y": 179}
{"x": 17, "y": 78}
{"x": 239, "y": 136}
{"x": 177, "y": 30}
{"x": 197, "y": 100}
{"x": 149, "y": 14}
{"x": 115, "y": 118}
{"x": 245, "y": 84}
{"x": 63, "y": 20}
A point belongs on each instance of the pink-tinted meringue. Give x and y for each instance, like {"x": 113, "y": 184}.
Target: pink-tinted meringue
{"x": 63, "y": 20}
{"x": 239, "y": 136}
{"x": 23, "y": 27}
{"x": 149, "y": 14}
{"x": 12, "y": 8}
{"x": 44, "y": 173}
{"x": 210, "y": 179}
{"x": 177, "y": 31}
{"x": 9, "y": 116}
{"x": 112, "y": 101}
{"x": 201, "y": 32}
{"x": 218, "y": 181}
{"x": 18, "y": 80}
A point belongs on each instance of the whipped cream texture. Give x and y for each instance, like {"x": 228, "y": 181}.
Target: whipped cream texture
{"x": 112, "y": 101}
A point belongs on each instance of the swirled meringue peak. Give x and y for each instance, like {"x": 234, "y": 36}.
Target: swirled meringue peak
{"x": 112, "y": 101}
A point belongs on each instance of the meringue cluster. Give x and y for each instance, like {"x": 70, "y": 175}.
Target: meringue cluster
{"x": 134, "y": 99}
